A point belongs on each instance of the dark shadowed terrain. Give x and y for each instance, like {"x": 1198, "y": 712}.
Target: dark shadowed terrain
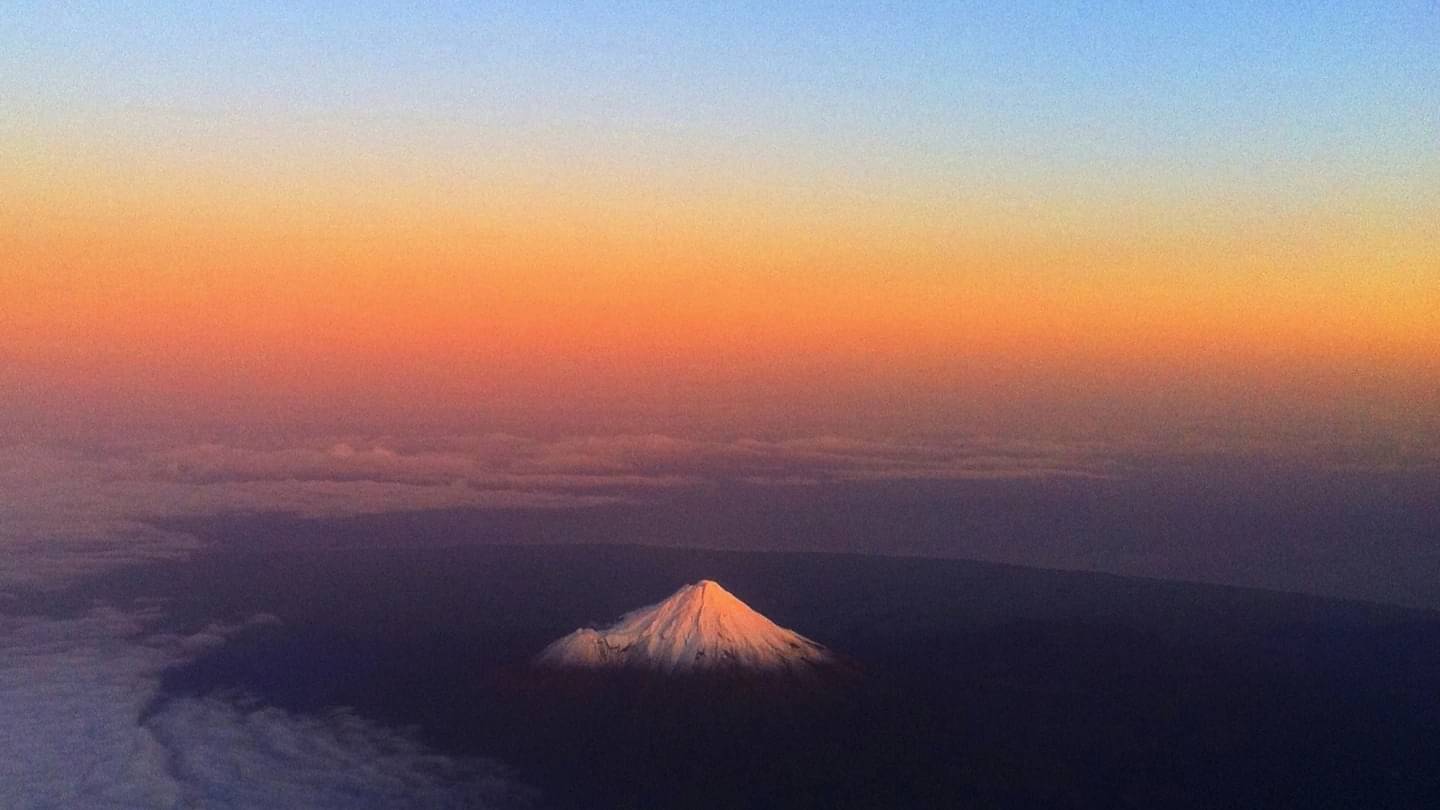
{"x": 984, "y": 685}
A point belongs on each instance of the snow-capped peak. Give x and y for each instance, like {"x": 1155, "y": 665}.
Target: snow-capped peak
{"x": 700, "y": 628}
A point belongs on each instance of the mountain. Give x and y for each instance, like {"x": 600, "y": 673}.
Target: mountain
{"x": 701, "y": 628}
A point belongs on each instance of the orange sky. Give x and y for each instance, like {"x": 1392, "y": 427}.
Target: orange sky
{"x": 166, "y": 260}
{"x": 206, "y": 290}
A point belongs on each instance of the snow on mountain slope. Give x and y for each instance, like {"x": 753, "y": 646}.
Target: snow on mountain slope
{"x": 700, "y": 628}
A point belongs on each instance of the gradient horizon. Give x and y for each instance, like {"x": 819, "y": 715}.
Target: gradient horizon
{"x": 1090, "y": 220}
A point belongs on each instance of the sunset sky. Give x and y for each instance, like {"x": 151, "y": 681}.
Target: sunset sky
{"x": 1049, "y": 392}
{"x": 1101, "y": 219}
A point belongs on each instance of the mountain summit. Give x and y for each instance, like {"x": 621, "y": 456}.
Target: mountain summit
{"x": 701, "y": 628}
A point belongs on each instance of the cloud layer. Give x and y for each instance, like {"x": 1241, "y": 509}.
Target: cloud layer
{"x": 66, "y": 512}
{"x": 74, "y": 692}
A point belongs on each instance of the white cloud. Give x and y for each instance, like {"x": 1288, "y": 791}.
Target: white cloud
{"x": 337, "y": 760}
{"x": 74, "y": 691}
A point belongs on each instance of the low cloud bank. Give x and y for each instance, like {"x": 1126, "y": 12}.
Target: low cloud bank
{"x": 67, "y": 512}
{"x": 74, "y": 692}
